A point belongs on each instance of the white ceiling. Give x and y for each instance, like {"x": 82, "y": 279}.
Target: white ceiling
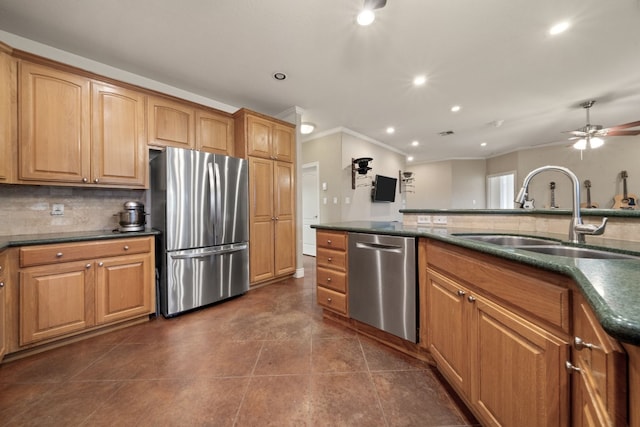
{"x": 492, "y": 57}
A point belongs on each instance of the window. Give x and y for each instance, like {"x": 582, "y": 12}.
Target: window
{"x": 501, "y": 191}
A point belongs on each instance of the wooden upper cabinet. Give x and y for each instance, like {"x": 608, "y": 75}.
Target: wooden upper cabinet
{"x": 214, "y": 132}
{"x": 262, "y": 136}
{"x": 7, "y": 112}
{"x": 119, "y": 153}
{"x": 171, "y": 123}
{"x": 54, "y": 125}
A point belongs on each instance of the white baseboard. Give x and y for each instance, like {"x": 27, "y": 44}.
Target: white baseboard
{"x": 299, "y": 273}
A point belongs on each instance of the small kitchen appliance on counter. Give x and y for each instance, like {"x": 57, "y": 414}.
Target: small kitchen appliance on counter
{"x": 132, "y": 218}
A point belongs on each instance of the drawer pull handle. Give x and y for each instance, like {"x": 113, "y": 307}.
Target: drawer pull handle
{"x": 1, "y": 284}
{"x": 471, "y": 298}
{"x": 100, "y": 264}
{"x": 329, "y": 300}
{"x": 0, "y": 268}
{"x": 59, "y": 255}
{"x": 126, "y": 248}
{"x": 571, "y": 368}
{"x": 328, "y": 242}
{"x": 88, "y": 266}
{"x": 329, "y": 259}
{"x": 328, "y": 279}
{"x": 96, "y": 180}
{"x": 461, "y": 293}
{"x": 579, "y": 344}
{"x": 85, "y": 180}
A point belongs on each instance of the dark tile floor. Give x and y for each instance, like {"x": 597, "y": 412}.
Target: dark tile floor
{"x": 264, "y": 359}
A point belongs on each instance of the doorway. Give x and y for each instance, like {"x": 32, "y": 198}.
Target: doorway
{"x": 310, "y": 206}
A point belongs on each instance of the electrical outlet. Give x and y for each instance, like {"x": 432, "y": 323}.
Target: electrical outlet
{"x": 424, "y": 219}
{"x": 57, "y": 209}
{"x": 440, "y": 220}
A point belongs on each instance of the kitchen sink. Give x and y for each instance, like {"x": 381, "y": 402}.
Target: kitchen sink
{"x": 508, "y": 240}
{"x": 576, "y": 252}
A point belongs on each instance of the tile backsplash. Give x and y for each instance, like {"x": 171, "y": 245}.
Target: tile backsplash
{"x": 26, "y": 209}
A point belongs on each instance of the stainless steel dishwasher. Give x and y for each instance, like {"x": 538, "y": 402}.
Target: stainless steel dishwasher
{"x": 382, "y": 282}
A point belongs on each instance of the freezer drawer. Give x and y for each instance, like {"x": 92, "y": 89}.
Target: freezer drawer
{"x": 197, "y": 277}
{"x": 382, "y": 283}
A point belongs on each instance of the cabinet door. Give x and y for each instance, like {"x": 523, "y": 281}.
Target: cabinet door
{"x": 261, "y": 219}
{"x": 3, "y": 315}
{"x": 124, "y": 287}
{"x": 285, "y": 227}
{"x": 259, "y": 137}
{"x": 283, "y": 143}
{"x": 518, "y": 375}
{"x": 171, "y": 123}
{"x": 7, "y": 104}
{"x": 55, "y": 300}
{"x": 54, "y": 125}
{"x": 118, "y": 136}
{"x": 448, "y": 322}
{"x": 214, "y": 133}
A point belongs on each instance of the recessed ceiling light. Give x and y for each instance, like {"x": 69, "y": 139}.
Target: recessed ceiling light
{"x": 410, "y": 159}
{"x": 415, "y": 143}
{"x": 306, "y": 128}
{"x": 558, "y": 28}
{"x": 390, "y": 130}
{"x": 419, "y": 80}
{"x": 279, "y": 76}
{"x": 366, "y": 17}
{"x": 483, "y": 144}
{"x": 455, "y": 108}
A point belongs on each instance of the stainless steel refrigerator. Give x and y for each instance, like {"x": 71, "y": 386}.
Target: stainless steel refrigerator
{"x": 199, "y": 201}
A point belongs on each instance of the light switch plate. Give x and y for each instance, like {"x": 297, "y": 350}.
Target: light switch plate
{"x": 440, "y": 220}
{"x": 57, "y": 209}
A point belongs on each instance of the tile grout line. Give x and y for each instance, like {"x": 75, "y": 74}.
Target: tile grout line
{"x": 246, "y": 387}
{"x": 373, "y": 385}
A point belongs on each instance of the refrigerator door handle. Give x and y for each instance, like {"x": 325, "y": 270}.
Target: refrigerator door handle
{"x": 212, "y": 200}
{"x": 212, "y": 252}
{"x": 218, "y": 202}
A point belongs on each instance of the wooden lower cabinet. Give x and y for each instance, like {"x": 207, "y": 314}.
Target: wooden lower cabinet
{"x": 3, "y": 311}
{"x": 331, "y": 271}
{"x": 508, "y": 369}
{"x": 58, "y": 299}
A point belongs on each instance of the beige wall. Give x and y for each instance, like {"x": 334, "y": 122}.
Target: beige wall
{"x": 327, "y": 152}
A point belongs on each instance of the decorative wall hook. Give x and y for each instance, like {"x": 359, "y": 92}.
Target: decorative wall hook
{"x": 359, "y": 166}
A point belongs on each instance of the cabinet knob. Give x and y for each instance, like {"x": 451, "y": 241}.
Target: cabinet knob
{"x": 329, "y": 300}
{"x": 59, "y": 255}
{"x": 273, "y": 218}
{"x": 100, "y": 264}
{"x": 571, "y": 368}
{"x": 96, "y": 180}
{"x": 328, "y": 279}
{"x": 88, "y": 266}
{"x": 471, "y": 298}
{"x": 277, "y": 218}
{"x": 0, "y": 268}
{"x": 328, "y": 260}
{"x": 85, "y": 180}
{"x": 328, "y": 242}
{"x": 126, "y": 248}
{"x": 579, "y": 344}
{"x": 1, "y": 284}
{"x": 461, "y": 293}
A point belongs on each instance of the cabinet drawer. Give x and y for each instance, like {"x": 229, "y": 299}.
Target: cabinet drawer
{"x": 332, "y": 300}
{"x": 331, "y": 239}
{"x": 55, "y": 253}
{"x": 331, "y": 259}
{"x": 335, "y": 280}
{"x": 3, "y": 264}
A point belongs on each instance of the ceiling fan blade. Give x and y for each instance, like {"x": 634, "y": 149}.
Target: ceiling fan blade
{"x": 625, "y": 126}
{"x": 623, "y": 132}
{"x": 374, "y": 4}
{"x": 577, "y": 133}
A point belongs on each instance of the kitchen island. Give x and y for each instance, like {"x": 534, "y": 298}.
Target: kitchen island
{"x": 538, "y": 343}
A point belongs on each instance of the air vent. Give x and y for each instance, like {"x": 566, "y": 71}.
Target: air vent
{"x": 445, "y": 133}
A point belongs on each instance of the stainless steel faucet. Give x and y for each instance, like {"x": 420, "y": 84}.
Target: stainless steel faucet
{"x": 577, "y": 229}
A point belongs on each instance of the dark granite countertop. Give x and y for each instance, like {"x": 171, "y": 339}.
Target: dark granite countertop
{"x": 77, "y": 236}
{"x": 611, "y": 286}
{"x": 618, "y": 213}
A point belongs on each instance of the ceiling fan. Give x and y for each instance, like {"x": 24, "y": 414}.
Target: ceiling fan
{"x": 591, "y": 135}
{"x": 367, "y": 14}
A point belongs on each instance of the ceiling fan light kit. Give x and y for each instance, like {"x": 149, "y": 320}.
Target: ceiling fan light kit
{"x": 590, "y": 135}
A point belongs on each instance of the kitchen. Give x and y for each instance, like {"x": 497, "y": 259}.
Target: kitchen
{"x": 23, "y": 221}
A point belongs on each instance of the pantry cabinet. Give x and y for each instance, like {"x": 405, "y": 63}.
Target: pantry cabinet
{"x": 75, "y": 130}
{"x": 504, "y": 361}
{"x": 269, "y": 145}
{"x": 271, "y": 219}
{"x": 65, "y": 289}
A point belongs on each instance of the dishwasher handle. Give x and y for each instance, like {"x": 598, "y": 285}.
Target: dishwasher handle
{"x": 380, "y": 247}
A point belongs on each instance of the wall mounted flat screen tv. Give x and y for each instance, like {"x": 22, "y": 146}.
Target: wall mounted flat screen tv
{"x": 384, "y": 189}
